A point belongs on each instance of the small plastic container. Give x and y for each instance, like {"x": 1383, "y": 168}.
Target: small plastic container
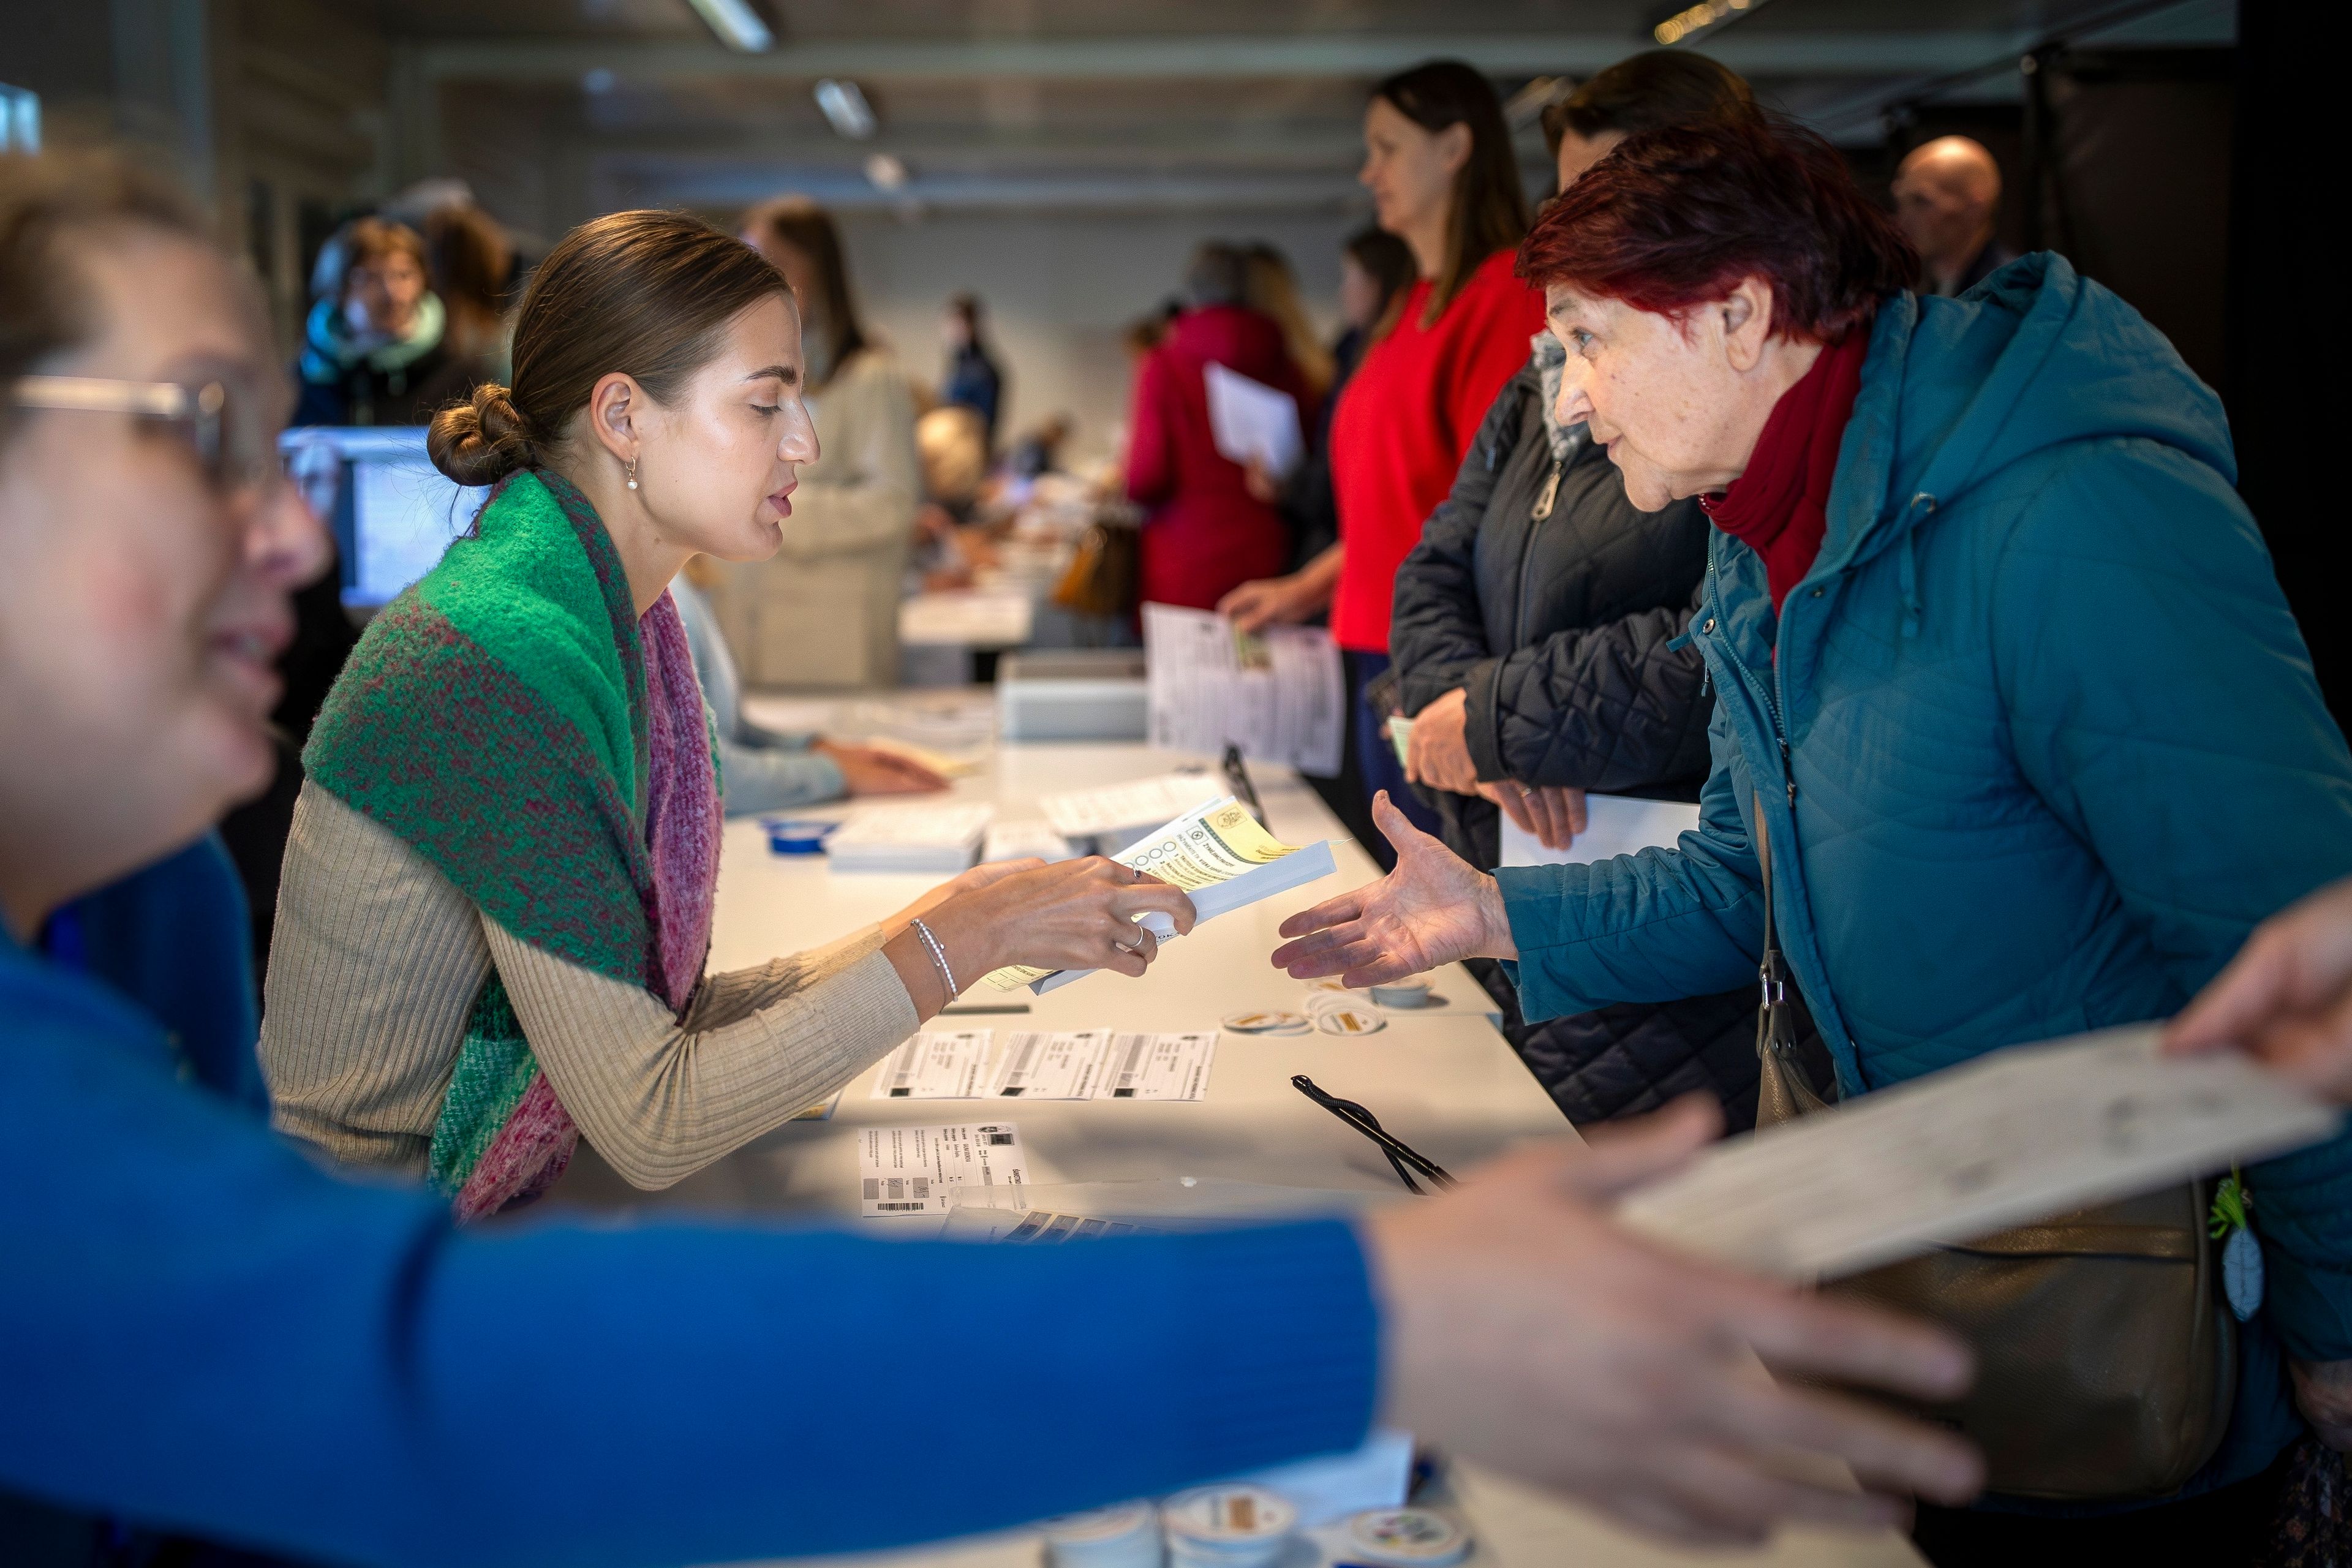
{"x": 1126, "y": 1535}
{"x": 1405, "y": 994}
{"x": 1231, "y": 1526}
{"x": 797, "y": 835}
{"x": 1406, "y": 1538}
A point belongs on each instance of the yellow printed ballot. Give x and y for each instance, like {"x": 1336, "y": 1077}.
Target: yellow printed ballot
{"x": 1216, "y": 852}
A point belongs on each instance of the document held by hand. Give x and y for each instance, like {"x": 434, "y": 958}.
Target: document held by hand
{"x": 2022, "y": 1134}
{"x": 1219, "y": 854}
{"x": 1277, "y": 694}
{"x": 1250, "y": 421}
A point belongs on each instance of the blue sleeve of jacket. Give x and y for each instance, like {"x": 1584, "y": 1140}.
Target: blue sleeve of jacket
{"x": 173, "y": 937}
{"x": 208, "y": 1334}
{"x": 757, "y": 778}
{"x": 1653, "y": 927}
{"x": 2162, "y": 703}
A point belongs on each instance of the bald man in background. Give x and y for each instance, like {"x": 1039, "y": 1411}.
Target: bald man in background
{"x": 1947, "y": 195}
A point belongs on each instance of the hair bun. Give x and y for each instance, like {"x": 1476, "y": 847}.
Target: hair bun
{"x": 481, "y": 441}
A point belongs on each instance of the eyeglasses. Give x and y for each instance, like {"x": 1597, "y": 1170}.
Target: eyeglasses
{"x": 237, "y": 451}
{"x": 1402, "y": 1156}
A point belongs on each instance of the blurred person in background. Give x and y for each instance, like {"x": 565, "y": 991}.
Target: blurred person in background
{"x": 1376, "y": 269}
{"x": 1986, "y": 618}
{"x": 972, "y": 380}
{"x": 471, "y": 262}
{"x": 1272, "y": 290}
{"x": 1141, "y": 335}
{"x": 762, "y": 769}
{"x": 823, "y": 611}
{"x": 1206, "y": 529}
{"x": 375, "y": 350}
{"x": 949, "y": 550}
{"x": 1947, "y": 202}
{"x": 1539, "y": 651}
{"x": 217, "y": 1338}
{"x": 1444, "y": 180}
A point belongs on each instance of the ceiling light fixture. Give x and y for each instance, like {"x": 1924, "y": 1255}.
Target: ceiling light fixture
{"x": 738, "y": 26}
{"x": 1697, "y": 18}
{"x": 846, "y": 108}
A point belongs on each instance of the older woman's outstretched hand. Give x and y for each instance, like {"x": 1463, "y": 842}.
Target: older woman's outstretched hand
{"x": 1432, "y": 909}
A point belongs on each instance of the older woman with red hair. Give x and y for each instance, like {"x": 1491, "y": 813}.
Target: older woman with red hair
{"x": 2004, "y": 679}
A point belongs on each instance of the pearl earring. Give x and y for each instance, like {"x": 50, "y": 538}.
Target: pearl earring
{"x": 632, "y": 467}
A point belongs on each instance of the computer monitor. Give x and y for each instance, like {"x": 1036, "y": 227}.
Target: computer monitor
{"x": 393, "y": 512}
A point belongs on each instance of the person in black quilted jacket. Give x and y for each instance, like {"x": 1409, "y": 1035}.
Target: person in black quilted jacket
{"x": 1536, "y": 636}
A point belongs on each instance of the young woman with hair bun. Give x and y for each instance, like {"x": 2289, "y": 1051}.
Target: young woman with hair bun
{"x": 496, "y": 899}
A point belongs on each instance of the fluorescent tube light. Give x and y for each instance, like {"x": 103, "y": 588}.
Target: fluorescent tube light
{"x": 738, "y": 26}
{"x": 846, "y": 108}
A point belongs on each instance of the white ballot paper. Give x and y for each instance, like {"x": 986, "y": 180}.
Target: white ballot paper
{"x": 1020, "y": 840}
{"x": 938, "y": 840}
{"x": 938, "y": 1064}
{"x": 1220, "y": 855}
{"x": 1277, "y": 694}
{"x": 1249, "y": 419}
{"x": 1063, "y": 1065}
{"x": 2021, "y": 1134}
{"x": 1083, "y": 812}
{"x": 910, "y": 1170}
{"x": 1157, "y": 1066}
{"x": 1614, "y": 824}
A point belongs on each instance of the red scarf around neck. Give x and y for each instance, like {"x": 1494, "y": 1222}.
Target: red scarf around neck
{"x": 1778, "y": 504}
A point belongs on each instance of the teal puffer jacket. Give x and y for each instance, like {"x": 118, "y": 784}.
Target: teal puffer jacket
{"x": 2040, "y": 747}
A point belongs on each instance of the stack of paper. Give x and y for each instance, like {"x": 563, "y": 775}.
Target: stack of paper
{"x": 1614, "y": 824}
{"x": 1278, "y": 694}
{"x": 912, "y": 1169}
{"x": 1138, "y": 802}
{"x": 1219, "y": 854}
{"x": 1070, "y": 1064}
{"x": 932, "y": 840}
{"x": 1021, "y": 840}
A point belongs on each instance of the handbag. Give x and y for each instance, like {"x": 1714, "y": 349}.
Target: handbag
{"x": 1105, "y": 577}
{"x": 2107, "y": 1357}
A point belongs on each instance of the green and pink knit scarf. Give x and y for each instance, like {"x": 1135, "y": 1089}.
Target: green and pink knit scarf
{"x": 512, "y": 719}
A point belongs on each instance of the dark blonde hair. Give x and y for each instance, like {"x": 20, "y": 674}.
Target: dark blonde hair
{"x": 644, "y": 293}
{"x": 808, "y": 228}
{"x": 1488, "y": 211}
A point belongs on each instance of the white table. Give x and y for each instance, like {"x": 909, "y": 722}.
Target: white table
{"x": 1443, "y": 1079}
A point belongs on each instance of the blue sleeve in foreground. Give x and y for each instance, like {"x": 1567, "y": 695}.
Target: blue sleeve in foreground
{"x": 214, "y": 1336}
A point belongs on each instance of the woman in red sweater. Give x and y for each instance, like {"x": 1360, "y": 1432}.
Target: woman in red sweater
{"x": 1438, "y": 162}
{"x": 1207, "y": 531}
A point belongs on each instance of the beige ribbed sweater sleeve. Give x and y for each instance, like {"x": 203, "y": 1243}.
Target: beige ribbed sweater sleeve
{"x": 370, "y": 1032}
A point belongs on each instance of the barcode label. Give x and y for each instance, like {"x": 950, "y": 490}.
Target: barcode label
{"x": 1017, "y": 1077}
{"x": 900, "y": 1208}
{"x": 1000, "y": 1139}
{"x": 1130, "y": 1067}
